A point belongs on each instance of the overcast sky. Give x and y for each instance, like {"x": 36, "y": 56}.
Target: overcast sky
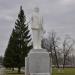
{"x": 58, "y": 15}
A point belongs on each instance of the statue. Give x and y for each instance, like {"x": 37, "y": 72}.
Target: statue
{"x": 38, "y": 60}
{"x": 37, "y": 28}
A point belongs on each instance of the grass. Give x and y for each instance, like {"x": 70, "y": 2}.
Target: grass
{"x": 10, "y": 72}
{"x": 65, "y": 71}
{"x": 55, "y": 71}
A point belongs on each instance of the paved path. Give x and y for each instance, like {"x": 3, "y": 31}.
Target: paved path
{"x": 1, "y": 71}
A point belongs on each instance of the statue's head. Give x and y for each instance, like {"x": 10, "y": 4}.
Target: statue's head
{"x": 36, "y": 9}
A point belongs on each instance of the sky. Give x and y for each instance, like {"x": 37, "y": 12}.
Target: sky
{"x": 58, "y": 15}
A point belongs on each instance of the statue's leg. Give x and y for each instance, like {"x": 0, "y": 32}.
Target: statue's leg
{"x": 39, "y": 39}
{"x": 35, "y": 39}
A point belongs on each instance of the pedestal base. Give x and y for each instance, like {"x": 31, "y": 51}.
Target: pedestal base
{"x": 38, "y": 62}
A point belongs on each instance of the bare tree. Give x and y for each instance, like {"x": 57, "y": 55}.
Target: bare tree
{"x": 67, "y": 48}
{"x": 51, "y": 44}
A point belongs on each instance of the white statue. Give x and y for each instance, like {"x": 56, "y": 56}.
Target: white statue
{"x": 37, "y": 28}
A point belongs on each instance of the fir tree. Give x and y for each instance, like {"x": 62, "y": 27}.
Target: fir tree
{"x": 23, "y": 38}
{"x": 19, "y": 43}
{"x": 8, "y": 57}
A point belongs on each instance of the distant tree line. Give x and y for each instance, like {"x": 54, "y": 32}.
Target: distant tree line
{"x": 60, "y": 51}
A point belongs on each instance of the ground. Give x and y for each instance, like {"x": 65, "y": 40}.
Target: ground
{"x": 66, "y": 71}
{"x": 4, "y": 71}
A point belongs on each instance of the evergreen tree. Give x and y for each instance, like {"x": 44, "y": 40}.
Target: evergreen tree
{"x": 22, "y": 39}
{"x": 8, "y": 57}
{"x": 19, "y": 43}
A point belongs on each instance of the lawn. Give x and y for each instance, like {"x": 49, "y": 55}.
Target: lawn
{"x": 66, "y": 71}
{"x": 10, "y": 72}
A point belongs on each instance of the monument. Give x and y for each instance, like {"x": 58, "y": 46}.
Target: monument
{"x": 37, "y": 28}
{"x": 38, "y": 60}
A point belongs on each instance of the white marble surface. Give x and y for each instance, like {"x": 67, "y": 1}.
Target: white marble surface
{"x": 38, "y": 62}
{"x": 37, "y": 28}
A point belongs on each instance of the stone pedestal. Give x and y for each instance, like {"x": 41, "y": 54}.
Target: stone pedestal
{"x": 37, "y": 62}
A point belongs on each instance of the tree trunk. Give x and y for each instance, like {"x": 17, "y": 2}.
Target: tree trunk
{"x": 57, "y": 61}
{"x": 12, "y": 69}
{"x": 19, "y": 69}
{"x": 56, "y": 58}
{"x": 64, "y": 61}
